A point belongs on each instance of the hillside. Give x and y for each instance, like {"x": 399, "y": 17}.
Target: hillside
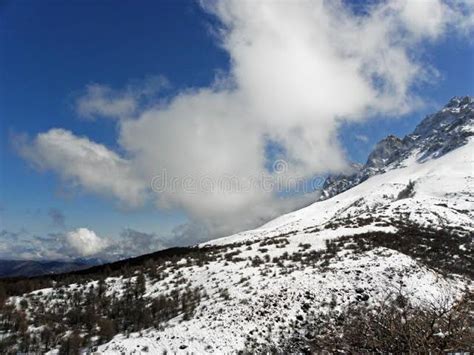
{"x": 390, "y": 244}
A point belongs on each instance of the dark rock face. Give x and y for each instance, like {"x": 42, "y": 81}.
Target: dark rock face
{"x": 384, "y": 152}
{"x": 435, "y": 136}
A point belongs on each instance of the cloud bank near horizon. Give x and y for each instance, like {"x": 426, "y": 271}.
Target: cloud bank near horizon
{"x": 298, "y": 69}
{"x": 81, "y": 243}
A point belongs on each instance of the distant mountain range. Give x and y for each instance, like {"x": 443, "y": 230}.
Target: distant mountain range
{"x": 16, "y": 268}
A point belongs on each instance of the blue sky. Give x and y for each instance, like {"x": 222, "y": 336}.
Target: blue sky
{"x": 51, "y": 50}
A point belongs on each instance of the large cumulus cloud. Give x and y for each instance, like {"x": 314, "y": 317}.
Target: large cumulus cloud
{"x": 298, "y": 69}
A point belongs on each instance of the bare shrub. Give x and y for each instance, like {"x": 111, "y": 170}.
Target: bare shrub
{"x": 395, "y": 325}
{"x": 400, "y": 326}
{"x": 408, "y": 191}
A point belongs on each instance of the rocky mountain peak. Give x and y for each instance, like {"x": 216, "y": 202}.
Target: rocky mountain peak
{"x": 435, "y": 136}
{"x": 459, "y": 102}
{"x": 458, "y": 111}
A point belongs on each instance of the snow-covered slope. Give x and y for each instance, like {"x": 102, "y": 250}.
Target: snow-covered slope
{"x": 270, "y": 301}
{"x": 442, "y": 197}
{"x": 406, "y": 228}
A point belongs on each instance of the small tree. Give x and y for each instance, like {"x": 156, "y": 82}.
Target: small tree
{"x": 140, "y": 285}
{"x": 107, "y": 329}
{"x": 3, "y": 295}
{"x": 72, "y": 345}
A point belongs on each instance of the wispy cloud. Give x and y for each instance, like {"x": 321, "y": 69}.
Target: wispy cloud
{"x": 103, "y": 101}
{"x": 361, "y": 138}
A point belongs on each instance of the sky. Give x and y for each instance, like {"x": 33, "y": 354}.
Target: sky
{"x": 130, "y": 126}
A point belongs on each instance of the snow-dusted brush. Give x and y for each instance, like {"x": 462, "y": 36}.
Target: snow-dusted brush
{"x": 383, "y": 263}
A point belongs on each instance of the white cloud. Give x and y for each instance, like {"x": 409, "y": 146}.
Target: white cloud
{"x": 85, "y": 242}
{"x": 102, "y": 101}
{"x": 361, "y": 138}
{"x": 431, "y": 19}
{"x": 82, "y": 162}
{"x": 298, "y": 69}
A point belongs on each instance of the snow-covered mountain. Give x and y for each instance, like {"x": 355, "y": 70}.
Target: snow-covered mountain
{"x": 401, "y": 225}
